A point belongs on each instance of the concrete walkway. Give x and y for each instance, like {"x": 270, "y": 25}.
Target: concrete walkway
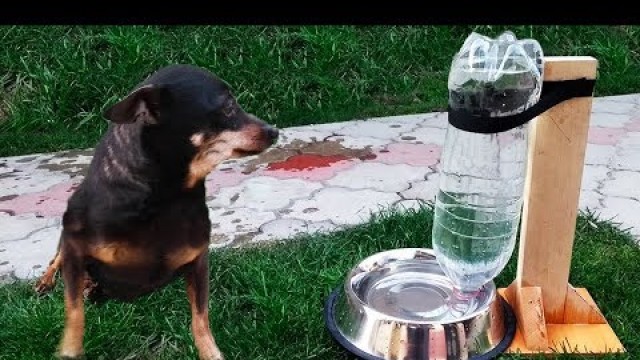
{"x": 317, "y": 178}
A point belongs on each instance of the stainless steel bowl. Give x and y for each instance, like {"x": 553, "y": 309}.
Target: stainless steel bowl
{"x": 399, "y": 305}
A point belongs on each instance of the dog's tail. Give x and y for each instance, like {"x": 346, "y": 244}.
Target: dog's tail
{"x": 47, "y": 281}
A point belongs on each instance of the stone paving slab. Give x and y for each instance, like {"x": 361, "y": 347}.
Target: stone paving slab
{"x": 317, "y": 178}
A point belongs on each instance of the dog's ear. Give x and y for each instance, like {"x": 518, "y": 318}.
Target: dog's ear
{"x": 143, "y": 104}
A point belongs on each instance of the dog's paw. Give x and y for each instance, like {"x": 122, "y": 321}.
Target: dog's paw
{"x": 214, "y": 357}
{"x": 60, "y": 356}
{"x": 90, "y": 289}
{"x": 214, "y": 354}
{"x": 44, "y": 285}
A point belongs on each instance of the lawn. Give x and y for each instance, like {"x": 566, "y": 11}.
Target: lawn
{"x": 267, "y": 302}
{"x": 56, "y": 80}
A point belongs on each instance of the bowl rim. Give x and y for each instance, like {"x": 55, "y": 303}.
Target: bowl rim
{"x": 359, "y": 269}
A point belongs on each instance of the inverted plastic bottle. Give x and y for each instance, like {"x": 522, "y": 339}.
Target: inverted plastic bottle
{"x": 478, "y": 206}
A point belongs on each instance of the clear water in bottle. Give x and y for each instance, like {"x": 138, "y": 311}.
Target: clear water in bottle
{"x": 477, "y": 209}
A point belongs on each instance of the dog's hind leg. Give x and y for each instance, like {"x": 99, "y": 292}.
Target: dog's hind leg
{"x": 47, "y": 281}
{"x": 198, "y": 292}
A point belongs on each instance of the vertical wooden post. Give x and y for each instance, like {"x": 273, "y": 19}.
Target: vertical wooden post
{"x": 546, "y": 305}
{"x": 557, "y": 146}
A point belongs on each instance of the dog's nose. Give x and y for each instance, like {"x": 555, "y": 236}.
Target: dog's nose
{"x": 273, "y": 134}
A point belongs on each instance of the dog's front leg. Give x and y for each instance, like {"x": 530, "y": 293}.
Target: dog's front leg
{"x": 73, "y": 276}
{"x": 197, "y": 279}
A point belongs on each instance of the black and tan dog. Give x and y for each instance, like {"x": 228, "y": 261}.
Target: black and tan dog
{"x": 139, "y": 218}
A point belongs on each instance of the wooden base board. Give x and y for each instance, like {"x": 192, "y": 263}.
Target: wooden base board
{"x": 596, "y": 339}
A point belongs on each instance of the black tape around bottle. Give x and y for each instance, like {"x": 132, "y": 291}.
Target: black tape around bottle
{"x": 553, "y": 93}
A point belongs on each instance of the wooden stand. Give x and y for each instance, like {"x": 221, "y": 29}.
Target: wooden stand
{"x": 552, "y": 315}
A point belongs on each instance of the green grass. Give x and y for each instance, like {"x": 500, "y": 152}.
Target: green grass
{"x": 57, "y": 79}
{"x": 267, "y": 303}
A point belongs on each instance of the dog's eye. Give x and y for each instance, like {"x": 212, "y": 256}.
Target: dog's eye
{"x": 219, "y": 122}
